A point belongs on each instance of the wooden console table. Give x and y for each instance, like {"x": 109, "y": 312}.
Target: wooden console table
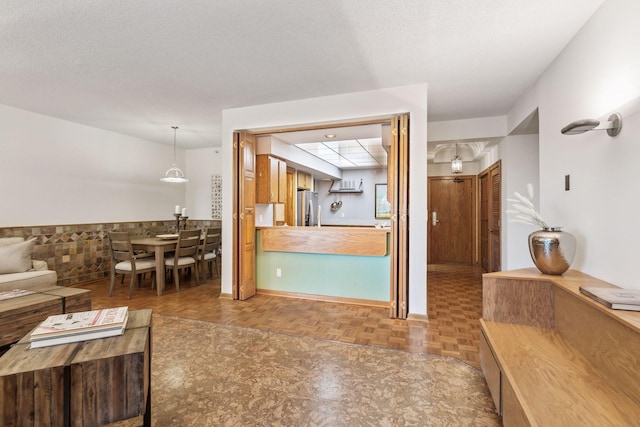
{"x": 554, "y": 357}
{"x": 89, "y": 383}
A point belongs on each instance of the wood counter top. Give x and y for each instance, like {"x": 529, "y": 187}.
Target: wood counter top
{"x": 365, "y": 241}
{"x": 569, "y": 282}
{"x": 555, "y": 357}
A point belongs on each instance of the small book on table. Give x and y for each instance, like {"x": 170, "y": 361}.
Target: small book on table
{"x": 614, "y": 298}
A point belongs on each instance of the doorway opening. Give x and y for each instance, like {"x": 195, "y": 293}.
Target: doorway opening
{"x": 244, "y": 208}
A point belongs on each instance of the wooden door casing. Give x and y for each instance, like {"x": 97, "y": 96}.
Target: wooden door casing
{"x": 244, "y": 275}
{"x": 452, "y": 235}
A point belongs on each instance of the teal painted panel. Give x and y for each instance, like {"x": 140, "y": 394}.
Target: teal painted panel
{"x": 348, "y": 276}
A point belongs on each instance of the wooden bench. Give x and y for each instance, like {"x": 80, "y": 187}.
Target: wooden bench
{"x": 554, "y": 357}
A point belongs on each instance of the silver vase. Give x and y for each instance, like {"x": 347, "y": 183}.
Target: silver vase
{"x": 552, "y": 250}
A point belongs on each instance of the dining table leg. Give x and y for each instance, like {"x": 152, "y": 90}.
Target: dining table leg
{"x": 160, "y": 270}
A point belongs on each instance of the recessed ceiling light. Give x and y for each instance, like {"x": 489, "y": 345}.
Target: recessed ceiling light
{"x": 330, "y": 135}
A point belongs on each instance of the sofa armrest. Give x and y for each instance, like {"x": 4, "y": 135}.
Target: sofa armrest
{"x": 39, "y": 265}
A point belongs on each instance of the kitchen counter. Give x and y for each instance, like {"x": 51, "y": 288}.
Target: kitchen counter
{"x": 364, "y": 241}
{"x": 339, "y": 264}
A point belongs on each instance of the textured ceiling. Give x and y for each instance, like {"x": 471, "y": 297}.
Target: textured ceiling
{"x": 139, "y": 67}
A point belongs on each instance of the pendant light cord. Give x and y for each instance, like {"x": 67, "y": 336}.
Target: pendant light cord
{"x": 175, "y": 129}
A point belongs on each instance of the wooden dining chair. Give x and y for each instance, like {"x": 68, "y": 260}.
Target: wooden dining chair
{"x": 186, "y": 255}
{"x": 125, "y": 261}
{"x": 209, "y": 251}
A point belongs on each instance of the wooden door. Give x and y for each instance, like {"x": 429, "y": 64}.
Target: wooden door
{"x": 484, "y": 220}
{"x": 244, "y": 217}
{"x": 490, "y": 218}
{"x": 495, "y": 215}
{"x": 398, "y": 197}
{"x": 451, "y": 219}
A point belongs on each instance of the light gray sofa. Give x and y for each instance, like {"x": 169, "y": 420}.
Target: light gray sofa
{"x": 18, "y": 270}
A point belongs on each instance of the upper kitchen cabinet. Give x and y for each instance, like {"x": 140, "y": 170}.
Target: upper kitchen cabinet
{"x": 304, "y": 181}
{"x": 271, "y": 183}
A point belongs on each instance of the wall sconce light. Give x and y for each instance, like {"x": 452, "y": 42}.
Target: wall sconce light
{"x": 612, "y": 126}
{"x": 456, "y": 162}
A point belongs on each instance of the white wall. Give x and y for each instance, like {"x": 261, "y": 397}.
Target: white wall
{"x": 202, "y": 163}
{"x": 357, "y": 208}
{"x": 519, "y": 167}
{"x": 60, "y": 172}
{"x": 459, "y": 130}
{"x": 597, "y": 72}
{"x": 376, "y": 103}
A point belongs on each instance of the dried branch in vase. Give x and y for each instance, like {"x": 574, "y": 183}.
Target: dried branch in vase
{"x": 524, "y": 211}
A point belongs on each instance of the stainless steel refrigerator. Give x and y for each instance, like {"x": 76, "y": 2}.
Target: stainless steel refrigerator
{"x": 307, "y": 208}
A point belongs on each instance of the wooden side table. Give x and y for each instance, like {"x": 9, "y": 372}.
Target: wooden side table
{"x": 20, "y": 315}
{"x": 89, "y": 383}
{"x": 33, "y": 385}
{"x": 73, "y": 299}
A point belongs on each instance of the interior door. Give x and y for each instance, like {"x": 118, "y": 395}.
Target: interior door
{"x": 495, "y": 215}
{"x": 398, "y": 197}
{"x": 484, "y": 219}
{"x": 244, "y": 216}
{"x": 490, "y": 218}
{"x": 451, "y": 219}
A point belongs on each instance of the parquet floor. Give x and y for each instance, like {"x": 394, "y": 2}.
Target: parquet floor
{"x": 454, "y": 307}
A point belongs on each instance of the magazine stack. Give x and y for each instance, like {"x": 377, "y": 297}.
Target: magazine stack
{"x": 81, "y": 326}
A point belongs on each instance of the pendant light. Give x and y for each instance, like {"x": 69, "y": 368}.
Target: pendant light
{"x": 456, "y": 162}
{"x": 174, "y": 174}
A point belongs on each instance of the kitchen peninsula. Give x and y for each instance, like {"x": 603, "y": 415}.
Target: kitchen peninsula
{"x": 347, "y": 264}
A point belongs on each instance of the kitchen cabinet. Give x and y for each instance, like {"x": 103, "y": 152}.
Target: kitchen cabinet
{"x": 271, "y": 182}
{"x": 304, "y": 181}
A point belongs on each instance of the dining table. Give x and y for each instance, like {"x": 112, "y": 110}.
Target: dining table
{"x": 159, "y": 246}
